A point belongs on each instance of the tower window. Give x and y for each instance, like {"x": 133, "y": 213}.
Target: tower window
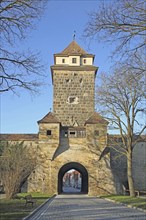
{"x": 73, "y": 100}
{"x": 65, "y": 134}
{"x": 77, "y": 133}
{"x": 49, "y": 132}
{"x": 74, "y": 60}
{"x": 75, "y": 74}
{"x": 84, "y": 60}
{"x": 81, "y": 81}
{"x": 63, "y": 60}
{"x": 96, "y": 133}
{"x": 72, "y": 134}
{"x": 68, "y": 80}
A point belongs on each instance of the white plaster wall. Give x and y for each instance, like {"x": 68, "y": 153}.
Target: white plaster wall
{"x": 80, "y": 61}
{"x": 77, "y": 62}
{"x": 59, "y": 60}
{"x": 89, "y": 61}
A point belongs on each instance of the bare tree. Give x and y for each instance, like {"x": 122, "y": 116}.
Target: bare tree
{"x": 121, "y": 99}
{"x": 19, "y": 69}
{"x": 16, "y": 164}
{"x": 122, "y": 23}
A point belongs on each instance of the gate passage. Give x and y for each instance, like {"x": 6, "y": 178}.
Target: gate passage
{"x": 73, "y": 178}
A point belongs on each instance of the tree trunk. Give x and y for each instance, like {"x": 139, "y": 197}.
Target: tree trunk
{"x": 129, "y": 174}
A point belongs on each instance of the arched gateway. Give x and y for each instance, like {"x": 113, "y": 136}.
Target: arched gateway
{"x": 80, "y": 168}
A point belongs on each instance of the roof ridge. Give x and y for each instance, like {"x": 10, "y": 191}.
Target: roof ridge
{"x": 32, "y": 136}
{"x": 49, "y": 118}
{"x": 73, "y": 48}
{"x": 96, "y": 118}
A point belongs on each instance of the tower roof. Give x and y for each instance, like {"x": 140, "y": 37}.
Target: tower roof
{"x": 73, "y": 49}
{"x": 49, "y": 118}
{"x": 96, "y": 118}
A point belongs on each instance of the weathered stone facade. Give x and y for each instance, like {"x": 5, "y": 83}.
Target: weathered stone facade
{"x": 73, "y": 136}
{"x": 78, "y": 87}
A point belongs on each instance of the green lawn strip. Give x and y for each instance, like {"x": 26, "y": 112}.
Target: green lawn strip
{"x": 133, "y": 201}
{"x": 15, "y": 208}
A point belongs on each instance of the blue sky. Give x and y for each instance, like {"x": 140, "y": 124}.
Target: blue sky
{"x": 52, "y": 34}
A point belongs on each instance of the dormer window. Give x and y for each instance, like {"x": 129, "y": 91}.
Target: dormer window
{"x": 74, "y": 60}
{"x": 63, "y": 60}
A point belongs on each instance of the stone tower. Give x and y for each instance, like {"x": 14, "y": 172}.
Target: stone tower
{"x": 73, "y": 136}
{"x": 73, "y": 76}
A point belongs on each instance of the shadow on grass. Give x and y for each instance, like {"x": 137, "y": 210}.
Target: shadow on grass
{"x": 15, "y": 208}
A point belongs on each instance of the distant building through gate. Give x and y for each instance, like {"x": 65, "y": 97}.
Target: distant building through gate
{"x": 72, "y": 181}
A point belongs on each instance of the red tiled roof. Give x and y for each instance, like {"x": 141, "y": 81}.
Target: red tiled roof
{"x": 96, "y": 118}
{"x": 18, "y": 137}
{"x": 49, "y": 118}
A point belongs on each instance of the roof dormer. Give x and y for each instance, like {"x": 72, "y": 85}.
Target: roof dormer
{"x": 73, "y": 55}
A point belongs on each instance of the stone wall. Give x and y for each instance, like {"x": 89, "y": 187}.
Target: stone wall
{"x": 139, "y": 166}
{"x": 119, "y": 166}
{"x": 104, "y": 176}
{"x": 73, "y": 96}
{"x": 53, "y": 155}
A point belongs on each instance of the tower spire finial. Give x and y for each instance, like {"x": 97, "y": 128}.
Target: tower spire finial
{"x": 74, "y": 35}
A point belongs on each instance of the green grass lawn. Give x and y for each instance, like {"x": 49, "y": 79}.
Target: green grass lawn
{"x": 15, "y": 209}
{"x": 133, "y": 201}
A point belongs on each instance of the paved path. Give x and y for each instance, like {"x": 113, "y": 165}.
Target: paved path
{"x": 68, "y": 189}
{"x": 82, "y": 207}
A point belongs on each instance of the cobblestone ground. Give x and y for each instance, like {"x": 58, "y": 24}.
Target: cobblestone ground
{"x": 82, "y": 207}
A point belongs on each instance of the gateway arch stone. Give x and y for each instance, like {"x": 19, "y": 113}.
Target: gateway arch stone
{"x": 80, "y": 168}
